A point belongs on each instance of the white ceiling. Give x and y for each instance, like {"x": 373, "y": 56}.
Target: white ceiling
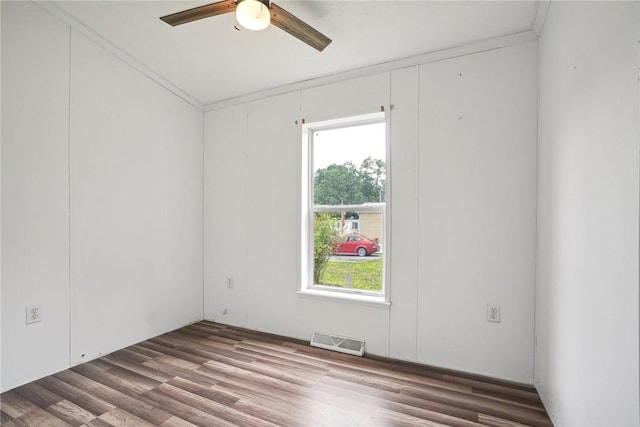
{"x": 211, "y": 61}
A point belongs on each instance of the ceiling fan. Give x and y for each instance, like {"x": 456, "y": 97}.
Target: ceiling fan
{"x": 254, "y": 15}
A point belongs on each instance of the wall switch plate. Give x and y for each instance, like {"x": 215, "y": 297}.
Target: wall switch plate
{"x": 229, "y": 282}
{"x": 493, "y": 313}
{"x": 34, "y": 314}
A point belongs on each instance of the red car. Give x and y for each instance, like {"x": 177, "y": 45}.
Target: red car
{"x": 356, "y": 244}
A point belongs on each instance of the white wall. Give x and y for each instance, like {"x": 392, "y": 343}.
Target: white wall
{"x": 102, "y": 200}
{"x": 226, "y": 216}
{"x": 0, "y": 192}
{"x": 587, "y": 273}
{"x": 252, "y": 170}
{"x": 404, "y": 126}
{"x": 477, "y": 212}
{"x": 136, "y": 205}
{"x": 35, "y": 192}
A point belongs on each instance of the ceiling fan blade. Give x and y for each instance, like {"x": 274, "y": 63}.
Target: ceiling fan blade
{"x": 190, "y": 15}
{"x": 298, "y": 29}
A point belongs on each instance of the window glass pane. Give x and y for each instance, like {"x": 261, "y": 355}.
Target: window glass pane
{"x": 347, "y": 261}
{"x": 349, "y": 165}
{"x": 348, "y": 168}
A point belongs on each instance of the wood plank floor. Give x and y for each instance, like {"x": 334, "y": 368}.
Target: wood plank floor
{"x": 209, "y": 374}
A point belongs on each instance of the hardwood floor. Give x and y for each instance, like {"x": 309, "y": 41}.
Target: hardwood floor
{"x": 209, "y": 374}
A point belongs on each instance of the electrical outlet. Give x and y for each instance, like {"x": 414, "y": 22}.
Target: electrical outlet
{"x": 34, "y": 314}
{"x": 493, "y": 313}
{"x": 229, "y": 282}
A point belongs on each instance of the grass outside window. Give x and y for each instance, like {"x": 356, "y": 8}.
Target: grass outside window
{"x": 361, "y": 274}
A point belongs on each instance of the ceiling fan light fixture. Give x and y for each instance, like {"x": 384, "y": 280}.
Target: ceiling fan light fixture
{"x": 253, "y": 15}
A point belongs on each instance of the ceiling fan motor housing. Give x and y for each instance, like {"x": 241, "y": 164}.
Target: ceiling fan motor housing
{"x": 253, "y": 14}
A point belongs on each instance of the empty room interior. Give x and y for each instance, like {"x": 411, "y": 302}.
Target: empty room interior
{"x": 208, "y": 223}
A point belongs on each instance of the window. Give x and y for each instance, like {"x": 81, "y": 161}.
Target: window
{"x": 344, "y": 199}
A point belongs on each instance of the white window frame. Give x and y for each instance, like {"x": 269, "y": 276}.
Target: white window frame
{"x": 307, "y": 287}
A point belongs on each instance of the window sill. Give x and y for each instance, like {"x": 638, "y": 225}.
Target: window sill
{"x": 374, "y": 301}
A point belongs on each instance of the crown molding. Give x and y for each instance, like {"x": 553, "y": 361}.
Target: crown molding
{"x": 541, "y": 16}
{"x": 469, "y": 49}
{"x": 56, "y": 11}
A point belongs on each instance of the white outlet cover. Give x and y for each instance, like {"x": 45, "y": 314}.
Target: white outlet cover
{"x": 34, "y": 314}
{"x": 493, "y": 313}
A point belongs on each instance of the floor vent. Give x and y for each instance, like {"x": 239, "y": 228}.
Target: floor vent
{"x": 337, "y": 343}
